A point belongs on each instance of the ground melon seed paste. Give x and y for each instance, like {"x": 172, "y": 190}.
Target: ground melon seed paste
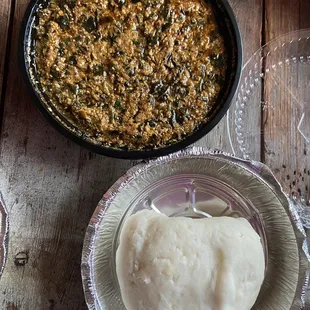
{"x": 131, "y": 73}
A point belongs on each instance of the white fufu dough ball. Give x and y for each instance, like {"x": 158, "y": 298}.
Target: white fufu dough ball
{"x": 181, "y": 263}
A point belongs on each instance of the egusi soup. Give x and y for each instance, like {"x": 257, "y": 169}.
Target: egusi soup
{"x": 131, "y": 73}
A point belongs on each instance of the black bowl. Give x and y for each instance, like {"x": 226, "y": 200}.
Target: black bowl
{"x": 229, "y": 30}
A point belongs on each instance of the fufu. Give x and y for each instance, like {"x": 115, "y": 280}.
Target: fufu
{"x": 180, "y": 263}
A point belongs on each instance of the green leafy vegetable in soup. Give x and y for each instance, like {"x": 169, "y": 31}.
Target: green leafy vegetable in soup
{"x": 131, "y": 73}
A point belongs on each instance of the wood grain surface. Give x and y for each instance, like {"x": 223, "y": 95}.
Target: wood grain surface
{"x": 5, "y": 19}
{"x": 249, "y": 16}
{"x": 51, "y": 185}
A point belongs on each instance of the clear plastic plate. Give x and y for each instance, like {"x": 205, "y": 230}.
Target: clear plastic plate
{"x": 269, "y": 119}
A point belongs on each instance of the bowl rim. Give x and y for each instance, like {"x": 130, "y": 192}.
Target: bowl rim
{"x": 122, "y": 153}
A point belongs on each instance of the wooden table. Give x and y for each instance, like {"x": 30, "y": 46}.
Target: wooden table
{"x": 51, "y": 185}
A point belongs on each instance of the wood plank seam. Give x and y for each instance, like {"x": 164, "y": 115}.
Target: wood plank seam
{"x": 7, "y": 56}
{"x": 263, "y": 42}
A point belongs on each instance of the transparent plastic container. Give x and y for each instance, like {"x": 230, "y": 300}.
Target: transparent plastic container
{"x": 269, "y": 119}
{"x": 200, "y": 178}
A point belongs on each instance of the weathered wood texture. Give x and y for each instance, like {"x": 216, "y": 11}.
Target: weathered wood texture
{"x": 5, "y": 10}
{"x": 282, "y": 16}
{"x": 249, "y": 16}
